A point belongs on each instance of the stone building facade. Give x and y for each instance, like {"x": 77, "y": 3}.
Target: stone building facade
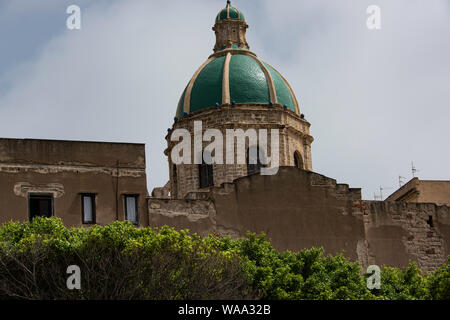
{"x": 81, "y": 182}
{"x": 294, "y": 143}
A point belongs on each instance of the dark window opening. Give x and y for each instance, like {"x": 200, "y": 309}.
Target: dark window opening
{"x": 88, "y": 208}
{"x": 40, "y": 205}
{"x": 253, "y": 165}
{"x": 298, "y": 160}
{"x": 430, "y": 221}
{"x": 206, "y": 173}
{"x": 174, "y": 179}
{"x": 131, "y": 208}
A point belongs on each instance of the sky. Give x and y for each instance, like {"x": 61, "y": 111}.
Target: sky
{"x": 376, "y": 99}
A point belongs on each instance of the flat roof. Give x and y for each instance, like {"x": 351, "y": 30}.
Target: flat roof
{"x": 72, "y": 152}
{"x": 75, "y": 141}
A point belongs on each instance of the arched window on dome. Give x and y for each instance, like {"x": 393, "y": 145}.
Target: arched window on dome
{"x": 206, "y": 174}
{"x": 298, "y": 160}
{"x": 254, "y": 163}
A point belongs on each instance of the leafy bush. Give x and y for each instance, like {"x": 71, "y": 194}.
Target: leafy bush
{"x": 439, "y": 283}
{"x": 307, "y": 274}
{"x": 408, "y": 284}
{"x": 119, "y": 261}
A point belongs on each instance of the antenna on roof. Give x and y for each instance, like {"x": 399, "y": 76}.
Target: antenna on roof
{"x": 400, "y": 181}
{"x": 380, "y": 196}
{"x": 413, "y": 169}
{"x": 383, "y": 188}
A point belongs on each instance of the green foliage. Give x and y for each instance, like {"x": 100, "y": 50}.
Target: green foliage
{"x": 439, "y": 283}
{"x": 408, "y": 284}
{"x": 120, "y": 261}
{"x": 307, "y": 274}
{"x": 117, "y": 261}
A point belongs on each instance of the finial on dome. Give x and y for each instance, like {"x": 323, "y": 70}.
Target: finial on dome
{"x": 228, "y": 2}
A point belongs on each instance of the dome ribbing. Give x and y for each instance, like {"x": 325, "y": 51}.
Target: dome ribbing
{"x": 233, "y": 74}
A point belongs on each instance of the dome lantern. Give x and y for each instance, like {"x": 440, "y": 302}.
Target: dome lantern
{"x": 230, "y": 28}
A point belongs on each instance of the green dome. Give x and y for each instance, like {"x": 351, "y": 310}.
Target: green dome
{"x": 229, "y": 12}
{"x": 235, "y": 76}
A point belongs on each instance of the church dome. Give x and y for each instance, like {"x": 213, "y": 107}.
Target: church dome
{"x": 236, "y": 76}
{"x": 233, "y": 74}
{"x": 229, "y": 12}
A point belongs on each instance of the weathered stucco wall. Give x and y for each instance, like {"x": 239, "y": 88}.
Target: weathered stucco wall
{"x": 189, "y": 214}
{"x": 434, "y": 191}
{"x": 296, "y": 208}
{"x": 397, "y": 232}
{"x": 65, "y": 169}
{"x": 299, "y": 209}
{"x": 72, "y": 152}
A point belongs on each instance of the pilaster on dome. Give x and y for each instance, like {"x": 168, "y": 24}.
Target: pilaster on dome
{"x": 230, "y": 28}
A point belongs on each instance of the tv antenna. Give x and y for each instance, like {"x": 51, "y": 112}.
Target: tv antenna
{"x": 413, "y": 169}
{"x": 400, "y": 181}
{"x": 380, "y": 196}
